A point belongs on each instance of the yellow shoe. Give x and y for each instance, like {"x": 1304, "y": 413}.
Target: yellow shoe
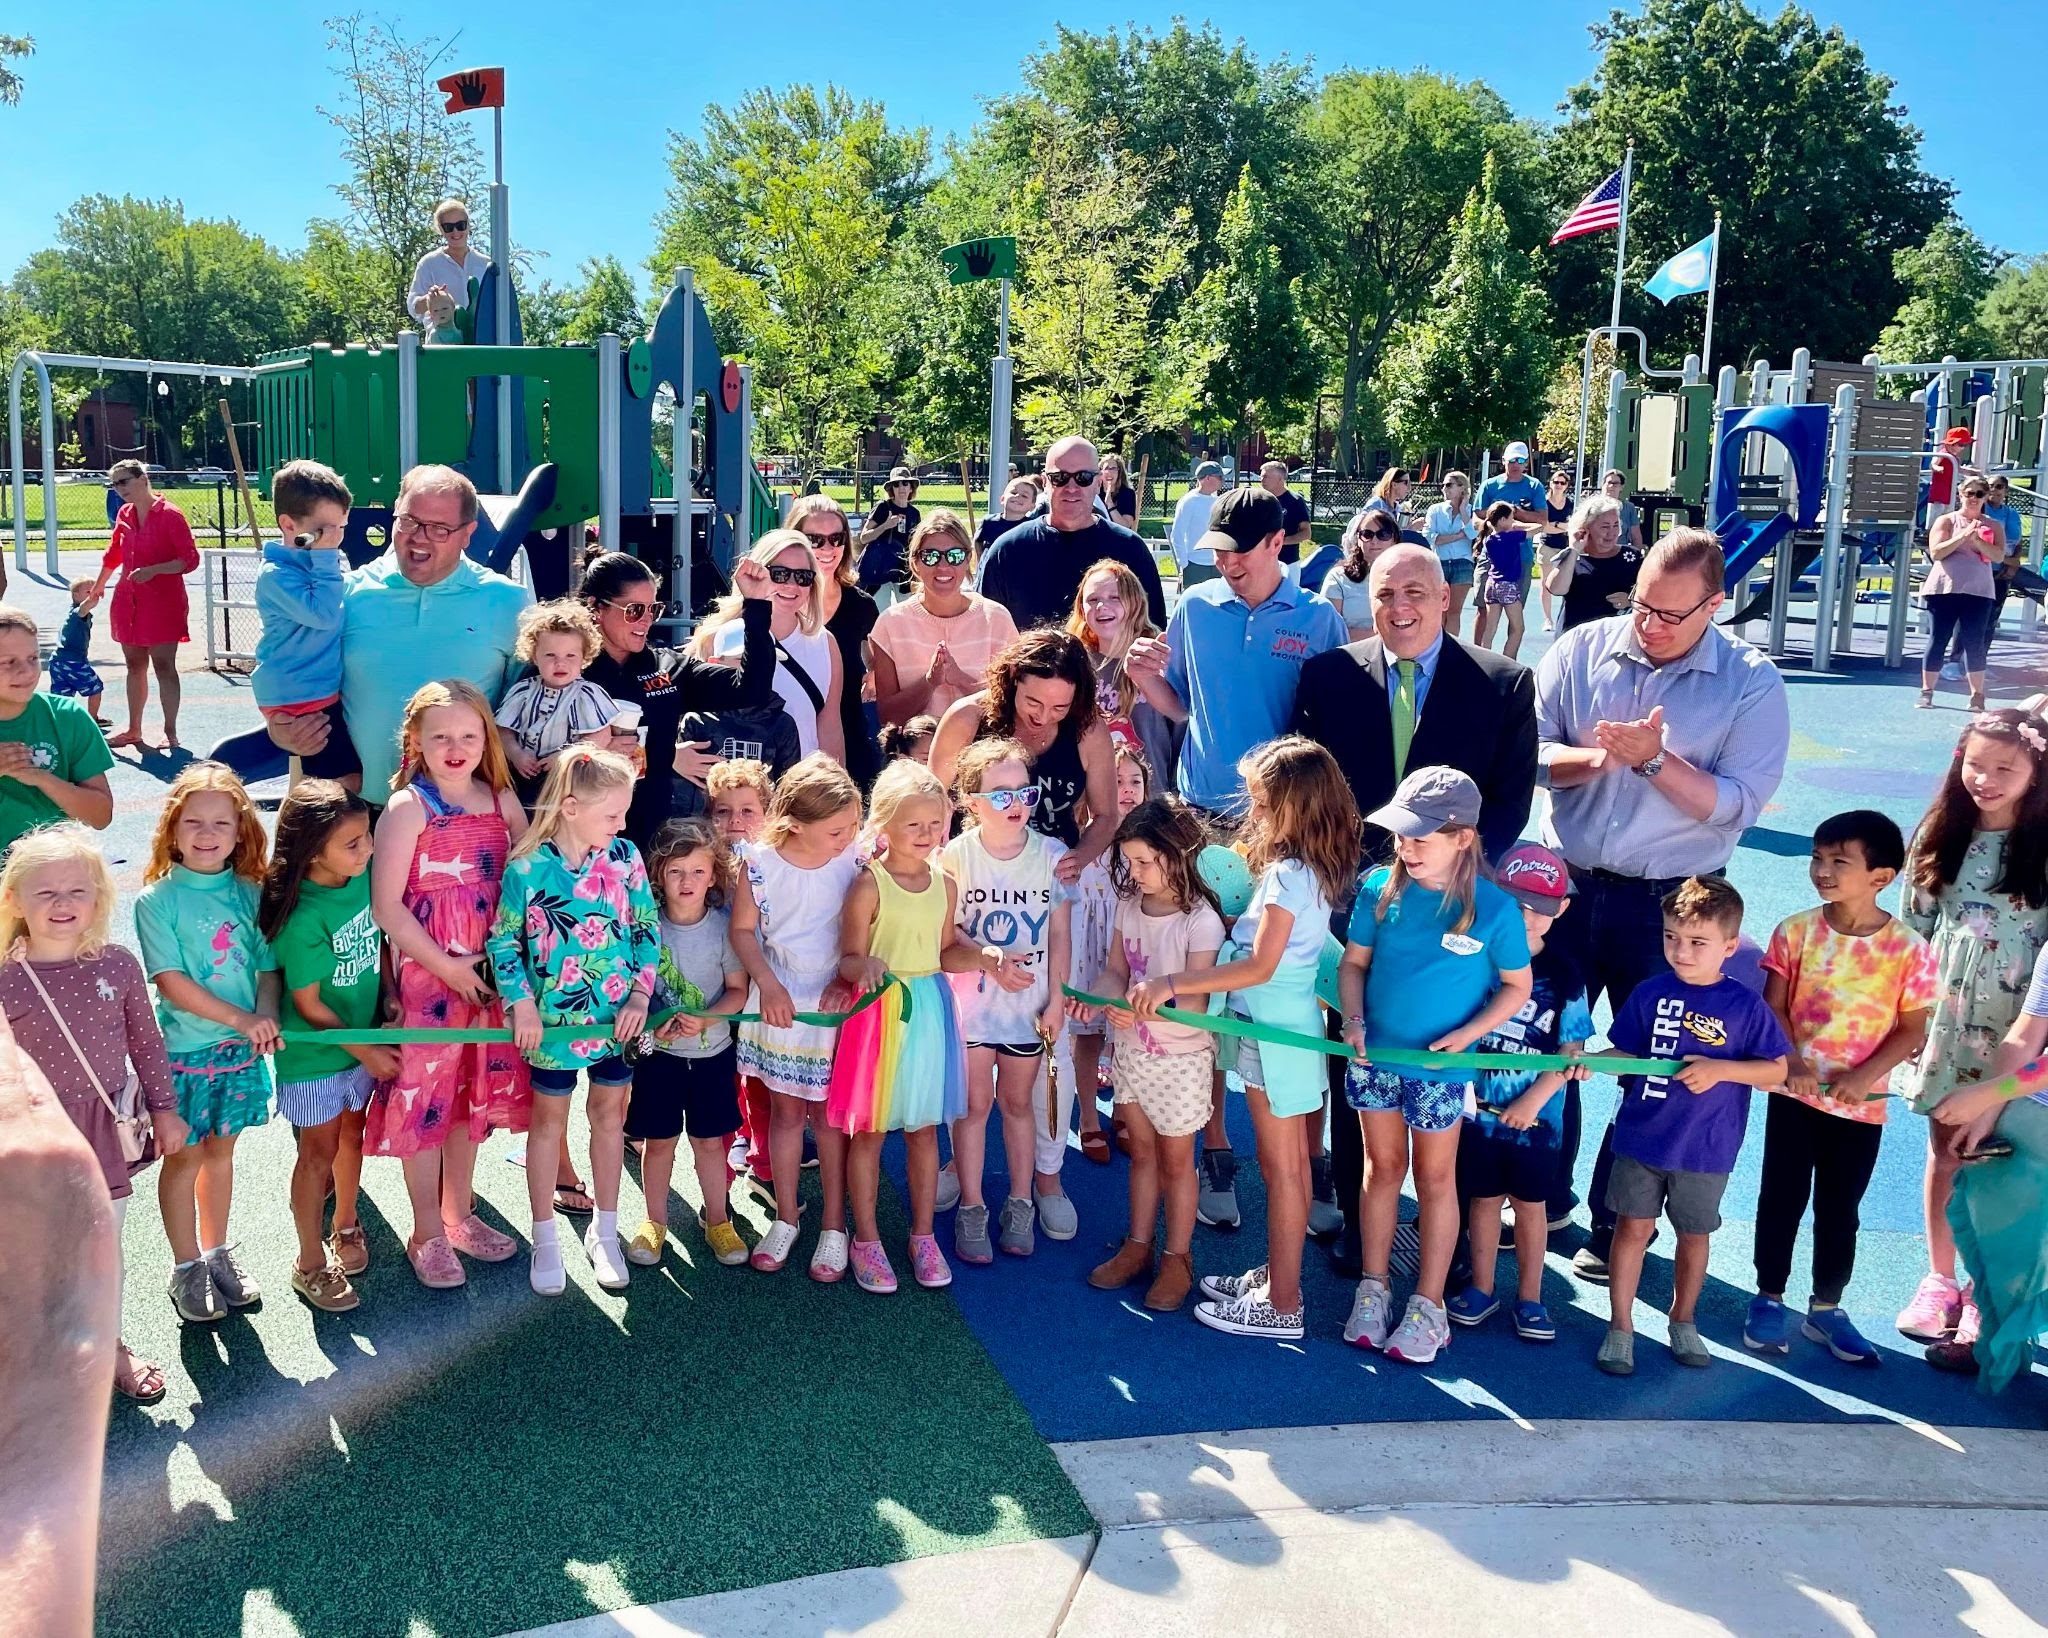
{"x": 645, "y": 1246}
{"x": 725, "y": 1243}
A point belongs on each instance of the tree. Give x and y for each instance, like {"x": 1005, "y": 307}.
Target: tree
{"x": 12, "y": 45}
{"x": 2015, "y": 312}
{"x": 404, "y": 156}
{"x": 1946, "y": 279}
{"x": 1244, "y": 323}
{"x": 1780, "y": 125}
{"x": 1395, "y": 155}
{"x": 1559, "y": 427}
{"x": 1473, "y": 368}
{"x": 604, "y": 301}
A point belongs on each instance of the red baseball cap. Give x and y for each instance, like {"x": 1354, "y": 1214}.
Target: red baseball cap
{"x": 1536, "y": 877}
{"x": 1957, "y": 435}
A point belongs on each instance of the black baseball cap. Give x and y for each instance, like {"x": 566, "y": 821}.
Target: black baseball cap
{"x": 1240, "y": 520}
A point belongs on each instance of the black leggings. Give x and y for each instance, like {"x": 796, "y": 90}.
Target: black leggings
{"x": 1809, "y": 1153}
{"x": 1958, "y": 614}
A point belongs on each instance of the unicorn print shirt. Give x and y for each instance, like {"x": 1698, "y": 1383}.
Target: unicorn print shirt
{"x": 205, "y": 928}
{"x": 577, "y": 943}
{"x": 1159, "y": 947}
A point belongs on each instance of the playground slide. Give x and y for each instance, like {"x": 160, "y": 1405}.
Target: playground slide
{"x": 1804, "y": 558}
{"x": 1747, "y": 543}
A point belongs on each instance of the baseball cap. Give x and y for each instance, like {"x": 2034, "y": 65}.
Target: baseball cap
{"x": 1516, "y": 452}
{"x": 1428, "y": 800}
{"x": 1957, "y": 435}
{"x": 1208, "y": 469}
{"x": 1240, "y": 519}
{"x": 1535, "y": 876}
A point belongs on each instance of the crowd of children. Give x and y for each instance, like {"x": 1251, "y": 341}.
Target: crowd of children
{"x": 803, "y": 969}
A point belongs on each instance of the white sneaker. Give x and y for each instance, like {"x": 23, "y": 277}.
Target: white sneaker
{"x": 1372, "y": 1314}
{"x": 607, "y": 1260}
{"x": 1424, "y": 1332}
{"x": 949, "y": 1189}
{"x": 1229, "y": 1287}
{"x": 828, "y": 1262}
{"x": 1952, "y": 672}
{"x": 546, "y": 1275}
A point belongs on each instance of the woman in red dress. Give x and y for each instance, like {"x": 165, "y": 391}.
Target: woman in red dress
{"x": 153, "y": 547}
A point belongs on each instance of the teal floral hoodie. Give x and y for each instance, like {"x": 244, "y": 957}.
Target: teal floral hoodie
{"x": 577, "y": 943}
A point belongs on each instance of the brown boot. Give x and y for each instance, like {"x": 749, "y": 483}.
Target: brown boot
{"x": 1171, "y": 1285}
{"x": 1133, "y": 1259}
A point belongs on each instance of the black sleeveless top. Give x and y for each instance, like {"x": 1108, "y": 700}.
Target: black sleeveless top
{"x": 1060, "y": 779}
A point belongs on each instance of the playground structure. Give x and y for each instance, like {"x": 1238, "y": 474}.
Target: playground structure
{"x": 1818, "y": 486}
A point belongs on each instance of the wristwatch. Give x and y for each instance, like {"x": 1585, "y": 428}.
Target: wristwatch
{"x": 1652, "y": 768}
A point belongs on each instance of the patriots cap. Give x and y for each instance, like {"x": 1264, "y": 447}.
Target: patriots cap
{"x": 1535, "y": 876}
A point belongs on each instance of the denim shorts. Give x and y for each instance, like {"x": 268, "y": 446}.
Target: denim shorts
{"x": 611, "y": 1070}
{"x": 1457, "y": 571}
{"x": 1427, "y": 1106}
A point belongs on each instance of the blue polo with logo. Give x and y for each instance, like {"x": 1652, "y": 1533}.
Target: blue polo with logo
{"x": 1236, "y": 669}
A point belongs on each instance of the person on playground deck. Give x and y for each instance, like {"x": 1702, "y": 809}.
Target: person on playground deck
{"x": 1662, "y": 736}
{"x": 440, "y": 283}
{"x": 153, "y": 548}
{"x": 1293, "y": 510}
{"x": 1035, "y": 570}
{"x": 1190, "y": 521}
{"x": 886, "y": 531}
{"x": 422, "y": 612}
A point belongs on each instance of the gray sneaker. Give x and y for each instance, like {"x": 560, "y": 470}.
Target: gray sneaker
{"x": 1686, "y": 1346}
{"x": 949, "y": 1189}
{"x": 1015, "y": 1233}
{"x": 1372, "y": 1314}
{"x": 1056, "y": 1216}
{"x": 236, "y": 1288}
{"x": 1216, "y": 1205}
{"x": 970, "y": 1235}
{"x": 1325, "y": 1221}
{"x": 193, "y": 1295}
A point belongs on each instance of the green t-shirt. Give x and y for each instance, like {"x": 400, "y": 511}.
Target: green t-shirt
{"x": 62, "y": 737}
{"x": 203, "y": 926}
{"x": 330, "y": 939}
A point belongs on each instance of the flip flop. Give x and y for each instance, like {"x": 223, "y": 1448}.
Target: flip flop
{"x": 122, "y": 740}
{"x": 574, "y": 1200}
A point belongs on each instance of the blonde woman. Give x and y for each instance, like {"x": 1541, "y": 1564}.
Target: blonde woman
{"x": 1451, "y": 529}
{"x": 850, "y": 615}
{"x": 933, "y": 648}
{"x": 808, "y": 675}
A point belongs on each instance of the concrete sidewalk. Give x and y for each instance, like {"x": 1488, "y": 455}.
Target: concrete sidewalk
{"x": 1558, "y": 1527}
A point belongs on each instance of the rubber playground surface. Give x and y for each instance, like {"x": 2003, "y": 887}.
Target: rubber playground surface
{"x": 486, "y": 1460}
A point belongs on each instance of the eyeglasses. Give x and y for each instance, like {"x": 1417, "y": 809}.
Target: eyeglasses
{"x": 404, "y": 523}
{"x": 1643, "y": 611}
{"x": 783, "y": 575}
{"x": 455, "y": 227}
{"x": 1084, "y": 477}
{"x": 1011, "y": 796}
{"x": 836, "y": 538}
{"x": 639, "y": 611}
{"x": 932, "y": 556}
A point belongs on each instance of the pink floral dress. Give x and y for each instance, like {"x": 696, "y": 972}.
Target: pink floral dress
{"x": 452, "y": 890}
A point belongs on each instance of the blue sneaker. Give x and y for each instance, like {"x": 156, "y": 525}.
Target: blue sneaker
{"x": 1833, "y": 1330}
{"x": 1769, "y": 1327}
{"x": 1472, "y": 1306}
{"x": 1533, "y": 1323}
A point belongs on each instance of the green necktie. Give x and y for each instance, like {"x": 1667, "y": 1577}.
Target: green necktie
{"x": 1404, "y": 715}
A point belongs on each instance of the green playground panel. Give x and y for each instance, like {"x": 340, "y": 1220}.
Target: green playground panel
{"x": 2030, "y": 384}
{"x": 333, "y": 404}
{"x": 1693, "y": 456}
{"x": 561, "y": 414}
{"x": 763, "y": 513}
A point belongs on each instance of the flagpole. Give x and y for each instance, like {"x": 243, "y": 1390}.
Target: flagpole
{"x": 1628, "y": 164}
{"x": 1713, "y": 279}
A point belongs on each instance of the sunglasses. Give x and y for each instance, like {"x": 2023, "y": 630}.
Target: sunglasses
{"x": 783, "y": 575}
{"x": 1084, "y": 477}
{"x": 836, "y": 538}
{"x": 1012, "y": 796}
{"x": 1644, "y": 611}
{"x": 641, "y": 611}
{"x": 454, "y": 227}
{"x": 1377, "y": 534}
{"x": 932, "y": 556}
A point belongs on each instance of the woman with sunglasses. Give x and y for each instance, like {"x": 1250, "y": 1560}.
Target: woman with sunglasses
{"x": 1345, "y": 588}
{"x": 1390, "y": 494}
{"x": 1451, "y": 529}
{"x": 1555, "y": 541}
{"x": 808, "y": 676}
{"x": 850, "y": 615}
{"x": 1118, "y": 497}
{"x": 153, "y": 548}
{"x": 667, "y": 683}
{"x": 441, "y": 281}
{"x": 934, "y": 647}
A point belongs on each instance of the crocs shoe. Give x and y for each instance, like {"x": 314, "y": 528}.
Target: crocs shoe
{"x": 1424, "y": 1332}
{"x": 1533, "y": 1322}
{"x": 970, "y": 1235}
{"x": 473, "y": 1237}
{"x": 1687, "y": 1347}
{"x": 1372, "y": 1314}
{"x": 644, "y": 1249}
{"x": 1472, "y": 1306}
{"x": 775, "y": 1247}
{"x": 1768, "y": 1329}
{"x": 436, "y": 1264}
{"x": 1933, "y": 1313}
{"x": 828, "y": 1260}
{"x": 193, "y": 1294}
{"x": 1251, "y": 1315}
{"x": 1617, "y": 1355}
{"x": 607, "y": 1261}
{"x": 725, "y": 1243}
{"x": 231, "y": 1279}
{"x": 1834, "y": 1331}
{"x": 928, "y": 1265}
{"x": 1229, "y": 1287}
{"x": 871, "y": 1270}
{"x": 1015, "y": 1234}
{"x": 948, "y": 1195}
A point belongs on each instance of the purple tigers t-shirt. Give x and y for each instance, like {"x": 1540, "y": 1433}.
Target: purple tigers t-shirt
{"x": 1662, "y": 1124}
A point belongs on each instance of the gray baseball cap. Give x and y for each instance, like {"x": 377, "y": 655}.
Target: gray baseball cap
{"x": 1208, "y": 469}
{"x": 1428, "y": 800}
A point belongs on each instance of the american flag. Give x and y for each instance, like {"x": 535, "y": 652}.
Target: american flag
{"x": 1598, "y": 211}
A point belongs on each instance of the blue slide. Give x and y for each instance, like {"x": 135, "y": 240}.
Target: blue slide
{"x": 1801, "y": 430}
{"x": 1747, "y": 542}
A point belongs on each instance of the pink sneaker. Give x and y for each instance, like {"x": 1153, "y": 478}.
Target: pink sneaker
{"x": 1968, "y": 1322}
{"x": 928, "y": 1263}
{"x": 871, "y": 1270}
{"x": 1936, "y": 1308}
{"x": 473, "y": 1237}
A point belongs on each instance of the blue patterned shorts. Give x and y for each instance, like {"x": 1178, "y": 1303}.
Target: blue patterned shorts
{"x": 74, "y": 677}
{"x": 1427, "y": 1106}
{"x": 222, "y": 1089}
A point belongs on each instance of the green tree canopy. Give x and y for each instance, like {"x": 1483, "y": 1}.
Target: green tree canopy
{"x": 2015, "y": 311}
{"x": 1946, "y": 279}
{"x": 1243, "y": 327}
{"x": 1779, "y": 124}
{"x": 12, "y": 45}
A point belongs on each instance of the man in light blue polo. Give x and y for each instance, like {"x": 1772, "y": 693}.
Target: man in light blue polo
{"x": 423, "y": 612}
{"x": 1233, "y": 652}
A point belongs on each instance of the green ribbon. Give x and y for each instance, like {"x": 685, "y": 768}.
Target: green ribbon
{"x": 574, "y": 1032}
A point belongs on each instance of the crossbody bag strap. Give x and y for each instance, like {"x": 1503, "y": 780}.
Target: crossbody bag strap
{"x": 804, "y": 679}
{"x": 70, "y": 1040}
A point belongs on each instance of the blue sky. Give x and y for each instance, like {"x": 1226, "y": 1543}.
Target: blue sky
{"x": 219, "y": 107}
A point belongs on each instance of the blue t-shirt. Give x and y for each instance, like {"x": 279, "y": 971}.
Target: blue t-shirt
{"x": 1524, "y": 492}
{"x": 1662, "y": 1124}
{"x": 1555, "y": 1015}
{"x": 75, "y": 640}
{"x": 1425, "y": 979}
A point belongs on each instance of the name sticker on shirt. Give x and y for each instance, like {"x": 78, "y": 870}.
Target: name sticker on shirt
{"x": 1462, "y": 944}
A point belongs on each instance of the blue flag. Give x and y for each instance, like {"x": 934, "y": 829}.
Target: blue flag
{"x": 1686, "y": 274}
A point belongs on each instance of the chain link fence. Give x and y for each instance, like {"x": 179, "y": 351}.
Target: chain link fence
{"x": 207, "y": 496}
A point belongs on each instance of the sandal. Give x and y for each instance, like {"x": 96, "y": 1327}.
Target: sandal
{"x": 1095, "y": 1146}
{"x": 573, "y": 1200}
{"x": 141, "y": 1380}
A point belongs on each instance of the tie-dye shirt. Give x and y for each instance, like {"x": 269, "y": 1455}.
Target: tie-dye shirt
{"x": 1845, "y": 994}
